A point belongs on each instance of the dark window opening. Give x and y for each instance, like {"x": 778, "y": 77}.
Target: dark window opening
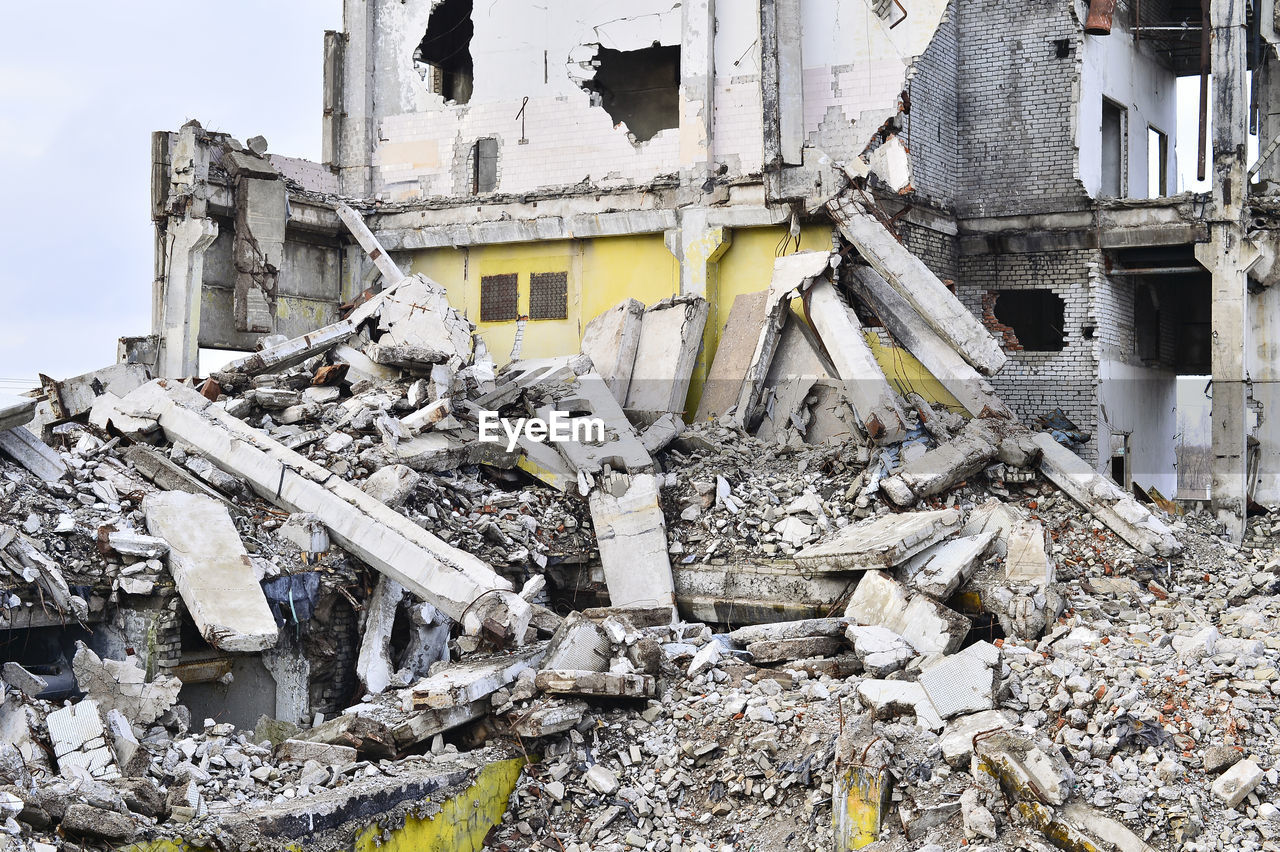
{"x": 444, "y": 56}
{"x": 639, "y": 88}
{"x": 549, "y": 295}
{"x": 1113, "y": 149}
{"x": 1062, "y": 48}
{"x": 1035, "y": 316}
{"x": 1146, "y": 324}
{"x": 498, "y": 298}
{"x": 484, "y": 157}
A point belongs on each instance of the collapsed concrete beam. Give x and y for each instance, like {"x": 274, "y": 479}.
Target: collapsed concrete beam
{"x": 75, "y": 396}
{"x": 355, "y": 224}
{"x": 457, "y": 583}
{"x": 1105, "y": 500}
{"x": 159, "y": 469}
{"x": 865, "y": 386}
{"x": 942, "y": 361}
{"x": 16, "y": 411}
{"x": 462, "y": 683}
{"x": 942, "y": 569}
{"x": 734, "y": 353}
{"x": 212, "y": 571}
{"x": 631, "y": 533}
{"x": 22, "y": 445}
{"x": 610, "y": 340}
{"x": 789, "y": 274}
{"x": 754, "y": 593}
{"x": 916, "y": 283}
{"x": 880, "y": 542}
{"x": 944, "y": 466}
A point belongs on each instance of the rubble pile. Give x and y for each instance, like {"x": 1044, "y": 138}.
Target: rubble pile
{"x": 793, "y": 624}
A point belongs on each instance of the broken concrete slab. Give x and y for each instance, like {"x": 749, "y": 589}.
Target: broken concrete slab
{"x": 754, "y": 592}
{"x": 789, "y": 630}
{"x": 879, "y": 649}
{"x": 579, "y": 643}
{"x": 1104, "y": 831}
{"x": 73, "y": 397}
{"x": 79, "y": 742}
{"x": 360, "y": 366}
{"x": 212, "y": 571}
{"x": 610, "y": 340}
{"x": 885, "y": 699}
{"x": 940, "y": 570}
{"x": 122, "y": 685}
{"x": 24, "y": 447}
{"x": 130, "y": 543}
{"x": 393, "y": 484}
{"x": 548, "y": 716}
{"x": 1027, "y": 559}
{"x": 670, "y": 339}
{"x": 994, "y": 516}
{"x": 418, "y": 316}
{"x": 945, "y": 465}
{"x": 1105, "y": 500}
{"x": 373, "y": 664}
{"x": 465, "y": 682}
{"x": 300, "y": 751}
{"x": 132, "y": 759}
{"x": 16, "y": 411}
{"x": 916, "y": 283}
{"x": 158, "y": 468}
{"x": 598, "y": 684}
{"x": 661, "y": 432}
{"x": 30, "y": 685}
{"x": 961, "y": 684}
{"x": 927, "y": 625}
{"x": 865, "y": 386}
{"x": 932, "y": 350}
{"x": 631, "y": 533}
{"x": 958, "y": 737}
{"x": 733, "y": 355}
{"x": 881, "y": 542}
{"x": 801, "y": 648}
{"x": 1025, "y": 771}
{"x": 586, "y": 396}
{"x": 460, "y": 585}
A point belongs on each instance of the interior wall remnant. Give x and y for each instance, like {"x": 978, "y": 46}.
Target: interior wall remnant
{"x": 443, "y": 58}
{"x": 638, "y": 88}
{"x": 1114, "y": 148}
{"x": 1264, "y": 370}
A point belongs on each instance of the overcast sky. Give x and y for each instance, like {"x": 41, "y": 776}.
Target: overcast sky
{"x": 80, "y": 92}
{"x": 82, "y": 85}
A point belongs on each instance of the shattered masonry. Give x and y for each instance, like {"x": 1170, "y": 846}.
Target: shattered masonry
{"x": 880, "y": 544}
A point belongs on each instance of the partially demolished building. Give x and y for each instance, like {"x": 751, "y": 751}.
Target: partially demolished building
{"x": 877, "y": 311}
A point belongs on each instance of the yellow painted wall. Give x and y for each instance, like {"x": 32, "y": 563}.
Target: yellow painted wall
{"x": 602, "y": 272}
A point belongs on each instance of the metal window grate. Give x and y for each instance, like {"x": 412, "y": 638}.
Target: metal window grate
{"x": 497, "y": 298}
{"x": 549, "y": 295}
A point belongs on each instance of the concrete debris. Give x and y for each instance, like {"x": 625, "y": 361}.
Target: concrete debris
{"x": 632, "y": 536}
{"x": 881, "y": 542}
{"x": 16, "y": 411}
{"x": 670, "y": 339}
{"x": 79, "y": 742}
{"x": 611, "y": 340}
{"x": 21, "y": 445}
{"x": 30, "y": 685}
{"x": 121, "y": 685}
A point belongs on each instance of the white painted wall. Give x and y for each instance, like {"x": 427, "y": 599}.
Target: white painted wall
{"x": 1114, "y": 69}
{"x": 1143, "y": 403}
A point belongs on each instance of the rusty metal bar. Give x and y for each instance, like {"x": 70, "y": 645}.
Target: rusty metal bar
{"x": 1202, "y": 153}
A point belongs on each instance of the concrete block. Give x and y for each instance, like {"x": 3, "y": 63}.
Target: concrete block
{"x": 80, "y": 743}
{"x": 885, "y": 699}
{"x": 393, "y": 484}
{"x": 611, "y": 340}
{"x": 599, "y": 684}
{"x": 733, "y": 355}
{"x": 670, "y": 339}
{"x": 942, "y": 569}
{"x": 632, "y": 535}
{"x": 579, "y": 644}
{"x": 957, "y": 737}
{"x": 780, "y": 650}
{"x": 212, "y": 571}
{"x": 661, "y": 432}
{"x": 24, "y": 681}
{"x": 122, "y": 685}
{"x": 16, "y": 411}
{"x": 21, "y": 444}
{"x": 1027, "y": 559}
{"x": 300, "y": 751}
{"x": 789, "y": 630}
{"x": 621, "y": 449}
{"x": 993, "y": 516}
{"x": 73, "y": 397}
{"x": 947, "y": 464}
{"x": 1026, "y": 773}
{"x": 880, "y": 650}
{"x": 463, "y": 683}
{"x": 927, "y": 625}
{"x": 1105, "y": 831}
{"x": 880, "y": 542}
{"x": 1232, "y": 786}
{"x": 548, "y": 716}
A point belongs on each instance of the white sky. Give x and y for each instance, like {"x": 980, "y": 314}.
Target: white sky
{"x": 82, "y": 85}
{"x": 80, "y": 93}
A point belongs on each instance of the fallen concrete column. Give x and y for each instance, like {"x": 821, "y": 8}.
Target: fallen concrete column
{"x": 631, "y": 533}
{"x": 944, "y": 466}
{"x": 355, "y": 224}
{"x": 927, "y": 625}
{"x": 867, "y": 389}
{"x": 212, "y": 571}
{"x": 610, "y": 340}
{"x": 1125, "y": 516}
{"x": 463, "y": 683}
{"x": 942, "y": 361}
{"x": 457, "y": 583}
{"x": 880, "y": 542}
{"x": 22, "y": 445}
{"x": 16, "y": 411}
{"x": 916, "y": 283}
{"x": 670, "y": 339}
{"x": 373, "y": 665}
{"x": 789, "y": 273}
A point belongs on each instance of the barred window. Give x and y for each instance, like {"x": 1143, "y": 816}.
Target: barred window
{"x": 498, "y": 298}
{"x": 549, "y": 295}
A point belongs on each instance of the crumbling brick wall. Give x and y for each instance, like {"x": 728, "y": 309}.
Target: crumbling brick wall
{"x": 930, "y": 128}
{"x": 1035, "y": 383}
{"x": 1017, "y": 102}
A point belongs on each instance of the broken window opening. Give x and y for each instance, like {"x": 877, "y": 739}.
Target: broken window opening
{"x": 1157, "y": 163}
{"x": 1114, "y": 152}
{"x": 1034, "y": 317}
{"x": 443, "y": 59}
{"x": 498, "y": 298}
{"x": 638, "y": 88}
{"x": 549, "y": 296}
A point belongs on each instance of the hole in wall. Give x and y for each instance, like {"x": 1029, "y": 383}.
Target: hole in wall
{"x": 443, "y": 59}
{"x": 638, "y": 88}
{"x": 1034, "y": 316}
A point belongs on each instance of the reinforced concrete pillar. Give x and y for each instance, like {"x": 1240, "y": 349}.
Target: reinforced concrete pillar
{"x": 698, "y": 247}
{"x": 179, "y": 330}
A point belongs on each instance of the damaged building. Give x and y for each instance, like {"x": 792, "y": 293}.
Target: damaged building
{"x": 864, "y": 323}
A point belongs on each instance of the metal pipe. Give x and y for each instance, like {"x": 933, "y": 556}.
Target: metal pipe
{"x": 1202, "y": 153}
{"x": 1157, "y": 270}
{"x": 1100, "y": 14}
